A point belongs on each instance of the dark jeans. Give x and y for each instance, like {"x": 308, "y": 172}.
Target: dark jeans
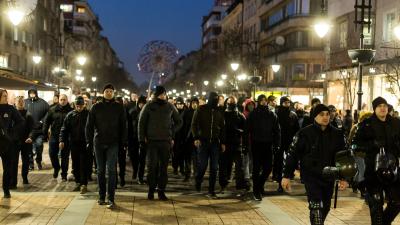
{"x": 6, "y": 161}
{"x": 90, "y": 162}
{"x": 25, "y": 150}
{"x": 37, "y": 150}
{"x": 231, "y": 155}
{"x": 262, "y": 164}
{"x": 278, "y": 164}
{"x": 157, "y": 164}
{"x": 189, "y": 158}
{"x": 106, "y": 157}
{"x": 138, "y": 159}
{"x": 54, "y": 158}
{"x": 80, "y": 155}
{"x": 207, "y": 151}
{"x": 178, "y": 157}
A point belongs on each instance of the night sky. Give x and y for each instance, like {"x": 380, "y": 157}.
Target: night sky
{"x": 130, "y": 24}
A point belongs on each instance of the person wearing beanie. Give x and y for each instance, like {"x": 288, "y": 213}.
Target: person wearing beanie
{"x": 106, "y": 131}
{"x": 137, "y": 154}
{"x": 315, "y": 146}
{"x": 178, "y": 162}
{"x": 38, "y": 108}
{"x": 309, "y": 119}
{"x": 208, "y": 128}
{"x": 108, "y": 86}
{"x": 159, "y": 121}
{"x": 380, "y": 132}
{"x": 73, "y": 133}
{"x": 265, "y": 138}
{"x": 288, "y": 122}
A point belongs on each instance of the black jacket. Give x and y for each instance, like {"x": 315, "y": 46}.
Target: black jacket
{"x": 263, "y": 126}
{"x": 181, "y": 134}
{"x": 106, "y": 123}
{"x": 288, "y": 122}
{"x": 38, "y": 108}
{"x": 187, "y": 123}
{"x": 11, "y": 120}
{"x": 372, "y": 134}
{"x": 55, "y": 119}
{"x": 73, "y": 129}
{"x": 235, "y": 125}
{"x": 133, "y": 122}
{"x": 159, "y": 120}
{"x": 26, "y": 128}
{"x": 315, "y": 149}
{"x": 208, "y": 124}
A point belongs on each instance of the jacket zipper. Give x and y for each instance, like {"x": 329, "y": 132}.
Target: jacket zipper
{"x": 212, "y": 124}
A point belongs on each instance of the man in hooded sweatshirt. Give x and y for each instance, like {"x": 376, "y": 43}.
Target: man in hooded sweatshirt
{"x": 55, "y": 119}
{"x": 156, "y": 130}
{"x": 179, "y": 147}
{"x": 38, "y": 108}
{"x": 208, "y": 128}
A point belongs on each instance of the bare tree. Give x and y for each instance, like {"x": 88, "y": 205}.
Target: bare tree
{"x": 349, "y": 81}
{"x": 392, "y": 75}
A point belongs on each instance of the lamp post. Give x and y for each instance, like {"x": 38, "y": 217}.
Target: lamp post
{"x": 81, "y": 60}
{"x": 235, "y": 67}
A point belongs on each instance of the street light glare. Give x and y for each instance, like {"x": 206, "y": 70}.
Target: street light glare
{"x": 396, "y": 31}
{"x": 79, "y": 72}
{"x": 224, "y": 76}
{"x": 242, "y": 77}
{"x": 94, "y": 79}
{"x": 235, "y": 66}
{"x": 36, "y": 59}
{"x": 206, "y": 82}
{"x": 16, "y": 16}
{"x": 276, "y": 68}
{"x": 321, "y": 28}
{"x": 81, "y": 60}
{"x": 220, "y": 83}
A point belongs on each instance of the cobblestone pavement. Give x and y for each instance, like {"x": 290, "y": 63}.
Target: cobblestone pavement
{"x": 50, "y": 201}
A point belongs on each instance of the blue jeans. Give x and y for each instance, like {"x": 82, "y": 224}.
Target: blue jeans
{"x": 207, "y": 151}
{"x": 37, "y": 150}
{"x": 54, "y": 157}
{"x": 106, "y": 157}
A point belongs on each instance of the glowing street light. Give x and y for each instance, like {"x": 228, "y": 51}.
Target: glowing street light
{"x": 16, "y": 16}
{"x": 242, "y": 77}
{"x": 322, "y": 28}
{"x": 234, "y": 66}
{"x": 276, "y": 67}
{"x": 220, "y": 83}
{"x": 188, "y": 91}
{"x": 94, "y": 79}
{"x": 37, "y": 59}
{"x": 206, "y": 82}
{"x": 224, "y": 76}
{"x": 79, "y": 72}
{"x": 174, "y": 91}
{"x": 396, "y": 31}
{"x": 81, "y": 60}
{"x": 203, "y": 93}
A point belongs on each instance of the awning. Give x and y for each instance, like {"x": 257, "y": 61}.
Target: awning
{"x": 13, "y": 81}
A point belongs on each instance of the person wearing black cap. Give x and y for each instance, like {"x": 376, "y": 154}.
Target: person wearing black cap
{"x": 315, "y": 146}
{"x": 105, "y": 130}
{"x": 309, "y": 119}
{"x": 137, "y": 155}
{"x": 208, "y": 128}
{"x": 265, "y": 137}
{"x": 380, "y": 132}
{"x": 179, "y": 148}
{"x": 38, "y": 108}
{"x": 55, "y": 119}
{"x": 190, "y": 154}
{"x": 73, "y": 132}
{"x": 288, "y": 122}
{"x": 159, "y": 120}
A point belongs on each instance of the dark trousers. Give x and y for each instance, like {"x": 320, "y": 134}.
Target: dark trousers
{"x": 106, "y": 157}
{"x": 37, "y": 150}
{"x": 189, "y": 157}
{"x": 6, "y": 161}
{"x": 178, "y": 163}
{"x": 122, "y": 161}
{"x": 262, "y": 164}
{"x": 157, "y": 164}
{"x": 205, "y": 152}
{"x": 90, "y": 162}
{"x": 54, "y": 157}
{"x": 231, "y": 155}
{"x": 278, "y": 164}
{"x": 375, "y": 199}
{"x": 25, "y": 150}
{"x": 79, "y": 155}
{"x": 138, "y": 159}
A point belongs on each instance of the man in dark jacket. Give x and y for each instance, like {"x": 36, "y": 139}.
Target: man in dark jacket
{"x": 190, "y": 154}
{"x": 179, "y": 145}
{"x": 288, "y": 122}
{"x": 308, "y": 119}
{"x": 105, "y": 130}
{"x": 55, "y": 119}
{"x": 10, "y": 123}
{"x": 24, "y": 144}
{"x": 73, "y": 132}
{"x": 235, "y": 125}
{"x": 380, "y": 132}
{"x": 347, "y": 122}
{"x": 157, "y": 129}
{"x": 38, "y": 108}
{"x": 136, "y": 154}
{"x": 315, "y": 146}
{"x": 265, "y": 137}
{"x": 336, "y": 121}
{"x": 208, "y": 128}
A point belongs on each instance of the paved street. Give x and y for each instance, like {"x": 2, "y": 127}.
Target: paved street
{"x": 49, "y": 201}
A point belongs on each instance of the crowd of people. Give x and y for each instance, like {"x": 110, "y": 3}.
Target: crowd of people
{"x": 237, "y": 138}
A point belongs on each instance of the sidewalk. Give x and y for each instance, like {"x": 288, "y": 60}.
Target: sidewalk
{"x": 49, "y": 201}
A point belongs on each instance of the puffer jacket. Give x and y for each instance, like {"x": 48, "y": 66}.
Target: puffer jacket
{"x": 55, "y": 119}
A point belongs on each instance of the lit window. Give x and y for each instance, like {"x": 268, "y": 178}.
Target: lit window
{"x": 81, "y": 9}
{"x": 3, "y": 61}
{"x": 388, "y": 25}
{"x": 66, "y": 7}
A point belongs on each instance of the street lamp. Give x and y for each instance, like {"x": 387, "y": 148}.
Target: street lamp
{"x": 16, "y": 16}
{"x": 37, "y": 59}
{"x": 242, "y": 77}
{"x": 206, "y": 82}
{"x": 234, "y": 66}
{"x": 322, "y": 28}
{"x": 81, "y": 60}
{"x": 174, "y": 91}
{"x": 79, "y": 72}
{"x": 94, "y": 79}
{"x": 188, "y": 91}
{"x": 220, "y": 83}
{"x": 224, "y": 76}
{"x": 396, "y": 31}
{"x": 276, "y": 67}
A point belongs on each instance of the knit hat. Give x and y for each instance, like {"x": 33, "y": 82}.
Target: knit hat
{"x": 195, "y": 99}
{"x": 261, "y": 97}
{"x": 142, "y": 99}
{"x": 159, "y": 91}
{"x": 318, "y": 109}
{"x": 108, "y": 86}
{"x": 315, "y": 100}
{"x": 79, "y": 100}
{"x": 179, "y": 100}
{"x": 284, "y": 99}
{"x": 377, "y": 101}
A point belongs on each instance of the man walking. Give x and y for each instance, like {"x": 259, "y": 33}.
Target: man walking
{"x": 156, "y": 130}
{"x": 105, "y": 130}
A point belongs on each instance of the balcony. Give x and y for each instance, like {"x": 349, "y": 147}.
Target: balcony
{"x": 293, "y": 22}
{"x": 80, "y": 30}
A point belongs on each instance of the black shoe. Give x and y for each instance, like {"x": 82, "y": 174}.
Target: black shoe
{"x": 77, "y": 188}
{"x": 186, "y": 179}
{"x": 39, "y": 165}
{"x": 90, "y": 178}
{"x": 64, "y": 179}
{"x": 7, "y": 194}
{"x": 257, "y": 196}
{"x": 110, "y": 205}
{"x": 222, "y": 191}
{"x": 150, "y": 195}
{"x": 25, "y": 180}
{"x": 212, "y": 195}
{"x": 262, "y": 193}
{"x": 280, "y": 189}
{"x": 198, "y": 187}
{"x": 162, "y": 196}
{"x": 101, "y": 201}
{"x": 122, "y": 182}
{"x": 13, "y": 187}
{"x": 175, "y": 172}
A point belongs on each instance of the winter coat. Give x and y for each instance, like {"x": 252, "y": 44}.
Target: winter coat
{"x": 235, "y": 127}
{"x": 208, "y": 124}
{"x": 245, "y": 104}
{"x": 263, "y": 126}
{"x": 11, "y": 120}
{"x": 55, "y": 119}
{"x": 106, "y": 123}
{"x": 187, "y": 123}
{"x": 133, "y": 122}
{"x": 27, "y": 126}
{"x": 159, "y": 120}
{"x": 288, "y": 122}
{"x": 315, "y": 149}
{"x": 38, "y": 108}
{"x": 73, "y": 129}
